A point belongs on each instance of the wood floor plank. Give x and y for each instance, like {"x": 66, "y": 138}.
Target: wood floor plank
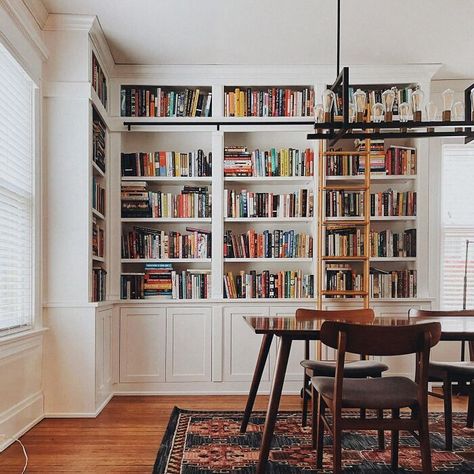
{"x": 126, "y": 436}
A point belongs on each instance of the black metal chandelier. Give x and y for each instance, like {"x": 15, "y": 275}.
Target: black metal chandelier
{"x": 377, "y": 123}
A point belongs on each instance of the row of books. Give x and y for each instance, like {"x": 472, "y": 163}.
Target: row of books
{"x": 377, "y": 145}
{"x": 396, "y": 284}
{"x": 344, "y": 242}
{"x": 98, "y": 141}
{"x": 167, "y": 163}
{"x": 269, "y": 244}
{"x": 344, "y": 203}
{"x": 393, "y": 203}
{"x": 250, "y": 204}
{"x": 99, "y": 81}
{"x": 396, "y": 161}
{"x": 98, "y": 239}
{"x": 152, "y": 101}
{"x": 152, "y": 243}
{"x": 273, "y": 102}
{"x": 192, "y": 202}
{"x": 238, "y": 161}
{"x": 164, "y": 282}
{"x": 98, "y": 196}
{"x": 341, "y": 277}
{"x": 288, "y": 284}
{"x": 391, "y": 244}
{"x": 99, "y": 277}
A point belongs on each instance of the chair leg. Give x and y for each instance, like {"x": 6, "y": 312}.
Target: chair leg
{"x": 448, "y": 415}
{"x": 314, "y": 417}
{"x": 395, "y": 436}
{"x": 320, "y": 435}
{"x": 470, "y": 406}
{"x": 425, "y": 441}
{"x": 304, "y": 415}
{"x": 336, "y": 447}
{"x": 381, "y": 434}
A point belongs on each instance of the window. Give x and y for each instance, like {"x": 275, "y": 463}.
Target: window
{"x": 16, "y": 196}
{"x": 457, "y": 226}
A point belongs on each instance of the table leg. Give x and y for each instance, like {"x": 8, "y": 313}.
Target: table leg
{"x": 273, "y": 403}
{"x": 257, "y": 376}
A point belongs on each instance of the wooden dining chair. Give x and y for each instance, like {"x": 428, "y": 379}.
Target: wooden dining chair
{"x": 337, "y": 393}
{"x": 461, "y": 372}
{"x": 357, "y": 369}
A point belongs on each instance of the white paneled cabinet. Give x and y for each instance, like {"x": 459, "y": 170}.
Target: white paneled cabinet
{"x": 142, "y": 344}
{"x": 188, "y": 344}
{"x": 103, "y": 355}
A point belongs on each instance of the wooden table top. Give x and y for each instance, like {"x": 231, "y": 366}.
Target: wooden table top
{"x": 453, "y": 328}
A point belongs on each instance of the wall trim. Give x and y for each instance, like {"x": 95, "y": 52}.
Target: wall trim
{"x": 61, "y": 22}
{"x": 27, "y": 24}
{"x": 11, "y": 423}
{"x": 38, "y": 11}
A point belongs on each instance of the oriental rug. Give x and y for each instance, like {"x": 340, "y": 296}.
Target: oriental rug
{"x": 202, "y": 442}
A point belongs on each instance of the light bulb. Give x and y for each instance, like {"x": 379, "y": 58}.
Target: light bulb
{"x": 318, "y": 113}
{"x": 404, "y": 111}
{"x": 328, "y": 102}
{"x": 377, "y": 112}
{"x": 448, "y": 97}
{"x": 458, "y": 114}
{"x": 388, "y": 99}
{"x": 352, "y": 112}
{"x": 431, "y": 114}
{"x": 360, "y": 102}
{"x": 417, "y": 103}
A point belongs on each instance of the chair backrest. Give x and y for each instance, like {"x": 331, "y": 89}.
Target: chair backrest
{"x": 425, "y": 313}
{"x": 380, "y": 340}
{"x": 354, "y": 315}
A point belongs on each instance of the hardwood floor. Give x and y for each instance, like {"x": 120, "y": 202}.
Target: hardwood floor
{"x": 125, "y": 437}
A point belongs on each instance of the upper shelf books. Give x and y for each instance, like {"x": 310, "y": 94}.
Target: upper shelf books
{"x": 99, "y": 81}
{"x": 153, "y": 101}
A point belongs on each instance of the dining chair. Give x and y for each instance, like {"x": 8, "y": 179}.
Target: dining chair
{"x": 391, "y": 393}
{"x": 356, "y": 369}
{"x": 461, "y": 372}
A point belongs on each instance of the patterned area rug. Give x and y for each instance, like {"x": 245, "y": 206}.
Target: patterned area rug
{"x": 210, "y": 442}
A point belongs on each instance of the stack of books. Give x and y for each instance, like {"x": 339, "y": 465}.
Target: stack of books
{"x": 134, "y": 198}
{"x": 158, "y": 280}
{"x": 344, "y": 242}
{"x": 400, "y": 160}
{"x": 237, "y": 161}
{"x": 341, "y": 277}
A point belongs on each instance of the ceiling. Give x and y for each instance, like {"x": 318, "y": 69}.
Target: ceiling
{"x": 285, "y": 31}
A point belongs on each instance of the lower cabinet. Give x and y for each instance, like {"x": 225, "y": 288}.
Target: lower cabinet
{"x": 188, "y": 344}
{"x": 103, "y": 355}
{"x": 142, "y": 344}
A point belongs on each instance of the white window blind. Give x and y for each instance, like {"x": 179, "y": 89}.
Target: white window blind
{"x": 16, "y": 196}
{"x": 457, "y": 226}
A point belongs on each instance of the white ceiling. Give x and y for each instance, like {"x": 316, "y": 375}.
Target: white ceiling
{"x": 285, "y": 31}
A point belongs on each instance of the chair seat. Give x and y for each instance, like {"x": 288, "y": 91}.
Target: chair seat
{"x": 463, "y": 370}
{"x": 356, "y": 369}
{"x": 385, "y": 392}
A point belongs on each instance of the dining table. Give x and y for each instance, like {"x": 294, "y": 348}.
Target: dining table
{"x": 289, "y": 329}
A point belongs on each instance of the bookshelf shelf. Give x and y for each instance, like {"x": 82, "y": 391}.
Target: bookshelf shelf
{"x": 268, "y": 219}
{"x": 98, "y": 259}
{"x": 165, "y": 260}
{"x": 176, "y": 220}
{"x": 393, "y": 259}
{"x": 356, "y": 258}
{"x": 283, "y": 180}
{"x": 392, "y": 218}
{"x": 178, "y": 180}
{"x": 97, "y": 171}
{"x": 98, "y": 214}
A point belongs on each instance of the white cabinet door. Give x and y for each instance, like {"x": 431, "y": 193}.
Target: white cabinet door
{"x": 188, "y": 344}
{"x": 241, "y": 344}
{"x": 142, "y": 344}
{"x": 103, "y": 355}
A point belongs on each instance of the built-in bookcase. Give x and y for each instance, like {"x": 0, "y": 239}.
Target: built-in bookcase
{"x": 99, "y": 81}
{"x": 98, "y": 207}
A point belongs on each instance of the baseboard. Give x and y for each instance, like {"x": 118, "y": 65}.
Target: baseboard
{"x": 82, "y": 414}
{"x": 20, "y": 418}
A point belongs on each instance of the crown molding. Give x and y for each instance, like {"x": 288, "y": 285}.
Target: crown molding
{"x": 27, "y": 24}
{"x": 101, "y": 47}
{"x": 38, "y": 10}
{"x": 61, "y": 22}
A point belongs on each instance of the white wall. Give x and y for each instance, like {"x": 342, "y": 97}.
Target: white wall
{"x": 21, "y": 393}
